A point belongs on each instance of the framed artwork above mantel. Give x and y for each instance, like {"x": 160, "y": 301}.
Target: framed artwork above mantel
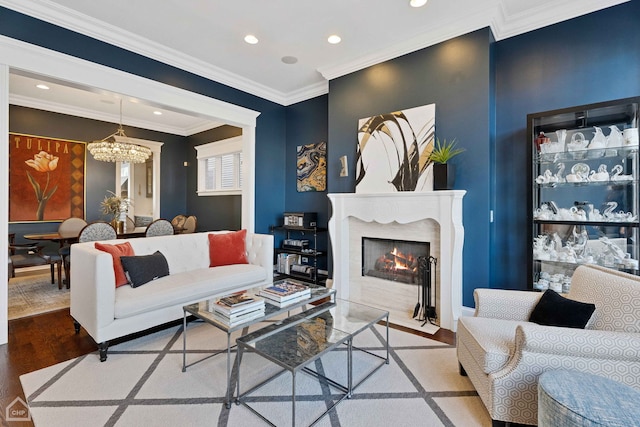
{"x": 46, "y": 178}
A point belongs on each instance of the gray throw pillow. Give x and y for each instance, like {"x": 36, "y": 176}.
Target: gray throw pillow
{"x": 143, "y": 269}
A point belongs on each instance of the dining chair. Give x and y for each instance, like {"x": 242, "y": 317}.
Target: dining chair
{"x": 130, "y": 224}
{"x": 22, "y": 255}
{"x": 159, "y": 227}
{"x": 190, "y": 224}
{"x": 178, "y": 222}
{"x": 98, "y": 230}
{"x": 69, "y": 230}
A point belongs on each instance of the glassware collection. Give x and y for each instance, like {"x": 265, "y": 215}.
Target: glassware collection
{"x": 585, "y": 196}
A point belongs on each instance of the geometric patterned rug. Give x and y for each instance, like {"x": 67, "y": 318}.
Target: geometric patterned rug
{"x": 142, "y": 383}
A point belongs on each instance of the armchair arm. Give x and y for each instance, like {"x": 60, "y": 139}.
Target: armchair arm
{"x": 578, "y": 343}
{"x": 505, "y": 304}
{"x": 538, "y": 349}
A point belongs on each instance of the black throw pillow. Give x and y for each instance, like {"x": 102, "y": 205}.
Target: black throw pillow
{"x": 142, "y": 269}
{"x": 555, "y": 310}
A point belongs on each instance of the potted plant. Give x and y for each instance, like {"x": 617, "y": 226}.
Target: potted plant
{"x": 115, "y": 205}
{"x": 443, "y": 171}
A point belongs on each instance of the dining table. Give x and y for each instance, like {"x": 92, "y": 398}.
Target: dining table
{"x": 63, "y": 239}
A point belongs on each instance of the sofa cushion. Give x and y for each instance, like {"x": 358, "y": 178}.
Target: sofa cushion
{"x": 491, "y": 341}
{"x": 116, "y": 251}
{"x": 555, "y": 310}
{"x": 227, "y": 248}
{"x": 145, "y": 268}
{"x": 185, "y": 288}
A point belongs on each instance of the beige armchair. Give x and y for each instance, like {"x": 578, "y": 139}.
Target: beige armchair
{"x": 503, "y": 354}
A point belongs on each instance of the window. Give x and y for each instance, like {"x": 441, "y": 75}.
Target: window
{"x": 220, "y": 167}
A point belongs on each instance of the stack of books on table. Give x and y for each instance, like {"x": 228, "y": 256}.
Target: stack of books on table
{"x": 237, "y": 308}
{"x": 285, "y": 292}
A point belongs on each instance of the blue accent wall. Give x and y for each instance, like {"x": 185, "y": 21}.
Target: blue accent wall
{"x": 588, "y": 59}
{"x": 306, "y": 124}
{"x": 456, "y": 75}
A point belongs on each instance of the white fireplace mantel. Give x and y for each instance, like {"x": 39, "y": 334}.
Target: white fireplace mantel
{"x": 444, "y": 207}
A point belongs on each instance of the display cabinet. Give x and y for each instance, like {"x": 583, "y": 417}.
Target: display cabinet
{"x": 301, "y": 253}
{"x": 584, "y": 198}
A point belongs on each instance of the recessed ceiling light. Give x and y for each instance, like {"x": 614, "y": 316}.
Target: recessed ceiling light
{"x": 251, "y": 39}
{"x": 157, "y": 113}
{"x": 289, "y": 59}
{"x": 43, "y": 87}
{"x": 417, "y": 3}
{"x": 334, "y": 39}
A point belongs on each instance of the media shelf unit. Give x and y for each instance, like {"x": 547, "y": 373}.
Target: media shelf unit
{"x": 312, "y": 256}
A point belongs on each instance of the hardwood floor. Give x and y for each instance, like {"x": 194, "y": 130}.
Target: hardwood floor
{"x": 36, "y": 342}
{"x": 43, "y": 340}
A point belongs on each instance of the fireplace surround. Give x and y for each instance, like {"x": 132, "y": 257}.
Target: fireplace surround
{"x": 434, "y": 217}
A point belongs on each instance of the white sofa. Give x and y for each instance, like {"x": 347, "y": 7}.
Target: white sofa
{"x": 504, "y": 354}
{"x": 107, "y": 312}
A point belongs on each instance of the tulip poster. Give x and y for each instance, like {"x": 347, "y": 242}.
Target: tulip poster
{"x": 46, "y": 178}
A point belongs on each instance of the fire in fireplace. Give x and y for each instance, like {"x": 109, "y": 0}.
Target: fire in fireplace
{"x": 395, "y": 260}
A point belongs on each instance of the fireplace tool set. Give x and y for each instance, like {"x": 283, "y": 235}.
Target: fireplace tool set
{"x": 423, "y": 310}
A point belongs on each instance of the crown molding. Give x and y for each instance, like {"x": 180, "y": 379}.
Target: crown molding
{"x": 62, "y": 16}
{"x": 505, "y": 25}
{"x": 307, "y": 92}
{"x": 39, "y": 104}
{"x": 443, "y": 32}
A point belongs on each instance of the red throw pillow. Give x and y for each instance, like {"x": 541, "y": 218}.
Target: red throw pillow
{"x": 116, "y": 251}
{"x": 227, "y": 248}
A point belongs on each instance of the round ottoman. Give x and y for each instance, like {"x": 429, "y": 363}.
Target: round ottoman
{"x": 572, "y": 398}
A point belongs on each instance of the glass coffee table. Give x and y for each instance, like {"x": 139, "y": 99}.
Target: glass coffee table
{"x": 200, "y": 311}
{"x": 307, "y": 336}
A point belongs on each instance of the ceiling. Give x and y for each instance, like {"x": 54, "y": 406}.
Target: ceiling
{"x": 206, "y": 37}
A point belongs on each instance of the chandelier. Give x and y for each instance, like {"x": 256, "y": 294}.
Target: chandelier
{"x": 116, "y": 148}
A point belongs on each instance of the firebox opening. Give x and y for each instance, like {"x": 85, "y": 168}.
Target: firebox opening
{"x": 390, "y": 259}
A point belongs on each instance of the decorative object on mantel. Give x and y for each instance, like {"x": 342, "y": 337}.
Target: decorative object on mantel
{"x": 444, "y": 172}
{"x": 311, "y": 167}
{"x": 46, "y": 178}
{"x": 393, "y": 151}
{"x": 117, "y": 149}
{"x": 115, "y": 206}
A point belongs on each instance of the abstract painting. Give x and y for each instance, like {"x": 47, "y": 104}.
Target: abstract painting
{"x": 46, "y": 178}
{"x": 393, "y": 151}
{"x": 312, "y": 167}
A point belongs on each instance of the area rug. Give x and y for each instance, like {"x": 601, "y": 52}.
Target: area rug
{"x": 142, "y": 383}
{"x": 33, "y": 293}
